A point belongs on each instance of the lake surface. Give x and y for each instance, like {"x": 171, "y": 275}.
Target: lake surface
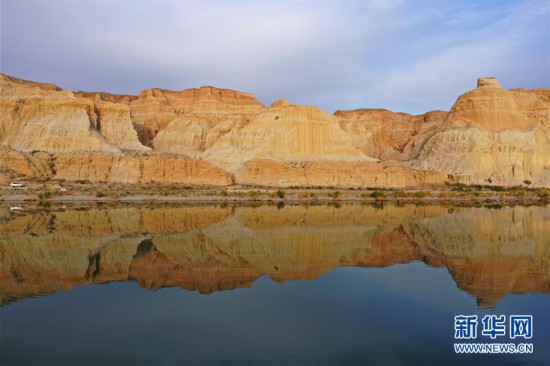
{"x": 350, "y": 284}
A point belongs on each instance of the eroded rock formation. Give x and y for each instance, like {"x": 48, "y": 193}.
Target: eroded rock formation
{"x": 219, "y": 137}
{"x": 388, "y": 135}
{"x": 173, "y": 116}
{"x": 286, "y": 133}
{"x": 493, "y": 136}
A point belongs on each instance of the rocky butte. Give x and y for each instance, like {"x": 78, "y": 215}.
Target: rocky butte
{"x": 211, "y": 136}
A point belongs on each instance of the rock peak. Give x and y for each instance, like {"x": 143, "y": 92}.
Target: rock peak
{"x": 488, "y": 82}
{"x": 281, "y": 102}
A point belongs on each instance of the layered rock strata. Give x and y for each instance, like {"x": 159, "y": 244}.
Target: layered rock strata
{"x": 219, "y": 137}
{"x": 493, "y": 136}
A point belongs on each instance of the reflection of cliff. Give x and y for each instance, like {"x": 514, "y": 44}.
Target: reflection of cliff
{"x": 489, "y": 253}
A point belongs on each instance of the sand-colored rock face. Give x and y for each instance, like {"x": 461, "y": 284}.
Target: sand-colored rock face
{"x": 99, "y": 167}
{"x": 501, "y": 158}
{"x": 488, "y": 107}
{"x": 280, "y": 103}
{"x": 106, "y": 97}
{"x": 287, "y": 133}
{"x": 49, "y": 133}
{"x": 156, "y": 109}
{"x": 193, "y": 134}
{"x": 114, "y": 123}
{"x": 55, "y": 125}
{"x": 6, "y": 80}
{"x": 43, "y": 118}
{"x": 325, "y": 173}
{"x": 489, "y": 253}
{"x": 37, "y": 165}
{"x": 490, "y": 136}
{"x": 388, "y": 135}
{"x": 493, "y": 136}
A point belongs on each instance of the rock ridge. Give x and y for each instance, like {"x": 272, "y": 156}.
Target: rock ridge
{"x": 490, "y": 136}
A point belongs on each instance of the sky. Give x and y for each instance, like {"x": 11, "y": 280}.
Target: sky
{"x": 409, "y": 56}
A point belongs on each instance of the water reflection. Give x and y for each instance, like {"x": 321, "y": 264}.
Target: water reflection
{"x": 489, "y": 253}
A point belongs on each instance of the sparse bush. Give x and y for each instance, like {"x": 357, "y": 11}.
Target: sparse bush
{"x": 100, "y": 194}
{"x": 420, "y": 194}
{"x": 459, "y": 187}
{"x": 527, "y": 181}
{"x": 334, "y": 194}
{"x": 377, "y": 194}
{"x": 399, "y": 193}
{"x": 281, "y": 194}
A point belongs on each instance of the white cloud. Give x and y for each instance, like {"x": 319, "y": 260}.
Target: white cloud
{"x": 404, "y": 55}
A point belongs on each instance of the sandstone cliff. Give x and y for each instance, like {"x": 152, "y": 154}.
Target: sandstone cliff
{"x": 131, "y": 168}
{"x": 38, "y": 118}
{"x": 388, "y": 135}
{"x": 326, "y": 173}
{"x": 46, "y": 132}
{"x": 286, "y": 133}
{"x": 490, "y": 136}
{"x": 14, "y": 163}
{"x": 493, "y": 136}
{"x": 156, "y": 110}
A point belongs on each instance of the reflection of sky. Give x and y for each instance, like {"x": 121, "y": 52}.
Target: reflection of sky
{"x": 401, "y": 314}
{"x": 410, "y": 56}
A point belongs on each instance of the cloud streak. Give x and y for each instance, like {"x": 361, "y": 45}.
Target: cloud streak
{"x": 410, "y": 56}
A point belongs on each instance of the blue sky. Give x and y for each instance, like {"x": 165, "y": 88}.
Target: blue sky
{"x": 410, "y": 56}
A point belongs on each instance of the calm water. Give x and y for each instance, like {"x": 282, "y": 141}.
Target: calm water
{"x": 295, "y": 285}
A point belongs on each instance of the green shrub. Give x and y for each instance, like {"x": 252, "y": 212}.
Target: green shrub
{"x": 281, "y": 194}
{"x": 334, "y": 194}
{"x": 420, "y": 194}
{"x": 377, "y": 194}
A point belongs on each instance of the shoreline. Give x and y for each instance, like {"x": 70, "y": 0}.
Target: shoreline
{"x": 459, "y": 194}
